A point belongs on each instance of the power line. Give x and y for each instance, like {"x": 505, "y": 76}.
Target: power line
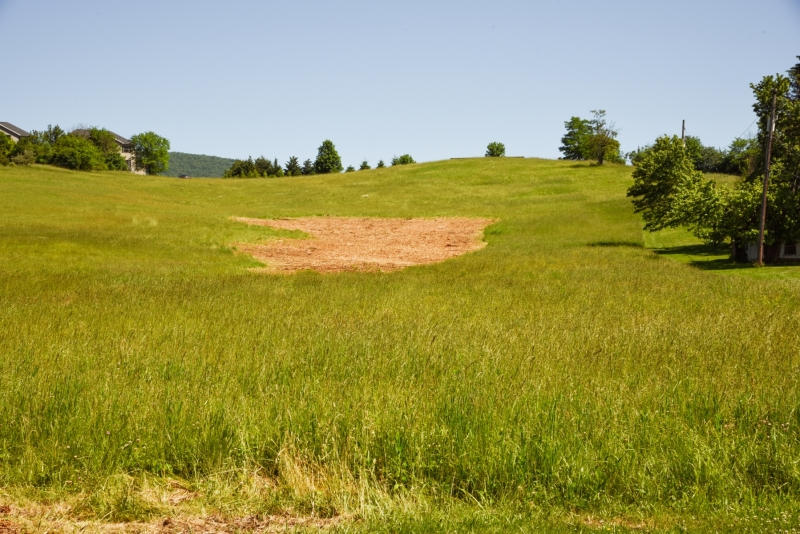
{"x": 748, "y": 128}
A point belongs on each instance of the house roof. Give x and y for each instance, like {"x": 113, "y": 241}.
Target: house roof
{"x": 9, "y": 128}
{"x": 85, "y": 133}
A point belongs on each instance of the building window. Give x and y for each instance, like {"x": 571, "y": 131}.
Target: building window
{"x": 790, "y": 249}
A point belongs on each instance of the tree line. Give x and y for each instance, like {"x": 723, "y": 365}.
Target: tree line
{"x": 88, "y": 149}
{"x": 670, "y": 188}
{"x": 327, "y": 161}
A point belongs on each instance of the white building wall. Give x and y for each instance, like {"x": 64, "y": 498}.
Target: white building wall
{"x": 752, "y": 252}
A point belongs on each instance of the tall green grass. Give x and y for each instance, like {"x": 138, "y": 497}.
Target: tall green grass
{"x": 564, "y": 366}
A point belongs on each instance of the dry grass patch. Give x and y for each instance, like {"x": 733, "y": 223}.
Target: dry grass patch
{"x": 57, "y": 518}
{"x": 365, "y": 244}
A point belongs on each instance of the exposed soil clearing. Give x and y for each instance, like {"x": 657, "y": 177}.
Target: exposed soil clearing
{"x": 365, "y": 244}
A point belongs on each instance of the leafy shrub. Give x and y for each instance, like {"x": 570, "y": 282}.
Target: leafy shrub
{"x": 115, "y": 162}
{"x": 6, "y": 146}
{"x": 34, "y": 143}
{"x": 26, "y": 157}
{"x": 77, "y": 153}
{"x": 328, "y": 159}
{"x": 496, "y": 150}
{"x": 405, "y": 159}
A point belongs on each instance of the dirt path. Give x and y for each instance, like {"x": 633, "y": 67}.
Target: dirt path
{"x": 365, "y": 244}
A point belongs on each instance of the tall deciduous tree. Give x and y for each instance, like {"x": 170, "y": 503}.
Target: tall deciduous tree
{"x": 328, "y": 159}
{"x": 151, "y": 151}
{"x": 602, "y": 144}
{"x": 794, "y": 80}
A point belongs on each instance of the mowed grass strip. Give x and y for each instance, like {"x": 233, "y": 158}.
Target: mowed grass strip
{"x": 563, "y": 366}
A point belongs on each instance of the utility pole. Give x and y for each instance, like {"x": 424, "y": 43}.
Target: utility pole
{"x": 683, "y": 133}
{"x": 771, "y": 130}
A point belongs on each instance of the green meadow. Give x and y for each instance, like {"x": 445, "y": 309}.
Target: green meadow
{"x": 574, "y": 375}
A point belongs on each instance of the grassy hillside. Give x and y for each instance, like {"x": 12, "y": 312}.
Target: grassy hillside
{"x": 562, "y": 376}
{"x": 197, "y": 165}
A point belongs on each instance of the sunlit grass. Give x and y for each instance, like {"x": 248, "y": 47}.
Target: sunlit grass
{"x": 564, "y": 371}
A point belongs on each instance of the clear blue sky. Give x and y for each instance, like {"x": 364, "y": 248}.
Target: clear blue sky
{"x": 435, "y": 79}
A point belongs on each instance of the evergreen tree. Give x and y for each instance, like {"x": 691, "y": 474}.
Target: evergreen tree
{"x": 380, "y": 165}
{"x": 308, "y": 168}
{"x": 364, "y": 166}
{"x": 496, "y": 150}
{"x": 574, "y": 144}
{"x": 328, "y": 160}
{"x": 243, "y": 168}
{"x": 277, "y": 170}
{"x": 292, "y": 167}
{"x": 405, "y": 159}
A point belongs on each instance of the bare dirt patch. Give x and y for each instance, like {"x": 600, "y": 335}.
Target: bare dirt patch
{"x": 267, "y": 524}
{"x": 365, "y": 244}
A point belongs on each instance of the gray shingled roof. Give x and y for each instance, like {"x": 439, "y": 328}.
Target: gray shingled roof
{"x": 7, "y": 127}
{"x": 85, "y": 133}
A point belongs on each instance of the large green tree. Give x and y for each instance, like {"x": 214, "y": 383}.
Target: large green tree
{"x": 151, "y": 152}
{"x": 328, "y": 159}
{"x": 602, "y": 144}
{"x": 668, "y": 191}
{"x": 574, "y": 144}
{"x": 660, "y": 175}
{"x": 496, "y": 150}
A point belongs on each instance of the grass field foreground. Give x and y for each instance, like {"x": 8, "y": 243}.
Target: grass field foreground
{"x": 564, "y": 372}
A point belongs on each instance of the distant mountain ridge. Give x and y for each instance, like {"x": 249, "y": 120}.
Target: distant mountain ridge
{"x": 197, "y": 165}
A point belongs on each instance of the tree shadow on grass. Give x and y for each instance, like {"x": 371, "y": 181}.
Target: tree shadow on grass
{"x": 706, "y": 257}
{"x": 613, "y": 244}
